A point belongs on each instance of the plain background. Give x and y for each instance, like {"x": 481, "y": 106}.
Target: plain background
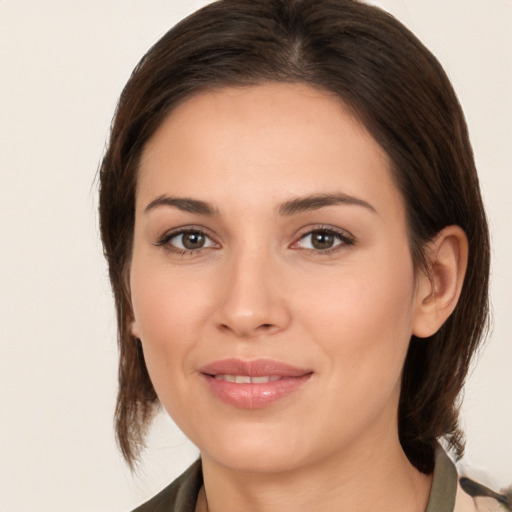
{"x": 62, "y": 65}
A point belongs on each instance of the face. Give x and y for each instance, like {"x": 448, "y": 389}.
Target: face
{"x": 272, "y": 283}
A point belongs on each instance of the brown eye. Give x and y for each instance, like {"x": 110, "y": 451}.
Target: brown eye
{"x": 323, "y": 240}
{"x": 190, "y": 240}
{"x": 193, "y": 240}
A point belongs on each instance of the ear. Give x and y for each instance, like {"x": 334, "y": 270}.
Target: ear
{"x": 134, "y": 329}
{"x": 438, "y": 288}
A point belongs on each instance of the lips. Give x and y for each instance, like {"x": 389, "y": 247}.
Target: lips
{"x": 253, "y": 384}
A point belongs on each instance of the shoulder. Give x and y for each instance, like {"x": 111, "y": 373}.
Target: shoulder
{"x": 180, "y": 495}
{"x": 474, "y": 497}
{"x": 451, "y": 493}
{"x": 465, "y": 503}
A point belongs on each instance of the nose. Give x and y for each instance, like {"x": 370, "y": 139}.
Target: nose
{"x": 253, "y": 299}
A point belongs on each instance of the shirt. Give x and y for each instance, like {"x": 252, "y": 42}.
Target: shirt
{"x": 445, "y": 495}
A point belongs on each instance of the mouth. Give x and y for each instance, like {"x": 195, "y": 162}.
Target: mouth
{"x": 253, "y": 384}
{"x": 247, "y": 379}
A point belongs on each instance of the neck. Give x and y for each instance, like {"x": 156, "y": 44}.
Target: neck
{"x": 355, "y": 480}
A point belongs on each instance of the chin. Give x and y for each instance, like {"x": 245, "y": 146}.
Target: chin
{"x": 244, "y": 460}
{"x": 253, "y": 449}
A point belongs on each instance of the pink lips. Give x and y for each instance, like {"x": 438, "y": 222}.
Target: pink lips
{"x": 253, "y": 384}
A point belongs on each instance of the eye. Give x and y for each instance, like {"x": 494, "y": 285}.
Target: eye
{"x": 323, "y": 240}
{"x": 190, "y": 240}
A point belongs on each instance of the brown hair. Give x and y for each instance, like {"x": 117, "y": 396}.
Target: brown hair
{"x": 399, "y": 91}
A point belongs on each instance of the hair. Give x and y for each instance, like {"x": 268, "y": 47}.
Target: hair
{"x": 398, "y": 90}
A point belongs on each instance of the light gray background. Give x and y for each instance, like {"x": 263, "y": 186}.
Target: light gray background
{"x": 62, "y": 65}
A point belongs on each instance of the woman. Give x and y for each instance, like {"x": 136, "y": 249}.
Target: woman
{"x": 299, "y": 254}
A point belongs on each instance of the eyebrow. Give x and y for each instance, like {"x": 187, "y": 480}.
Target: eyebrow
{"x": 317, "y": 201}
{"x": 291, "y": 207}
{"x": 185, "y": 204}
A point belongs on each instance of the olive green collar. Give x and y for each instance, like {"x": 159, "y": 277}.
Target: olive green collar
{"x": 182, "y": 494}
{"x": 444, "y": 484}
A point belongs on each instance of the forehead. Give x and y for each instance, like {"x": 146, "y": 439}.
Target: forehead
{"x": 263, "y": 141}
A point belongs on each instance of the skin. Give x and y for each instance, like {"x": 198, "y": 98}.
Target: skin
{"x": 259, "y": 288}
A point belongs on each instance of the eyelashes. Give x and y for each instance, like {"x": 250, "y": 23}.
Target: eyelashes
{"x": 184, "y": 241}
{"x": 323, "y": 240}
{"x": 320, "y": 240}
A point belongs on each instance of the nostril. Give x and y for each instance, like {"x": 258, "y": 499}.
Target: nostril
{"x": 266, "y": 328}
{"x": 248, "y": 331}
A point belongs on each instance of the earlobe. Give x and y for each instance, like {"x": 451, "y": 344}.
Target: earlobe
{"x": 438, "y": 290}
{"x": 134, "y": 329}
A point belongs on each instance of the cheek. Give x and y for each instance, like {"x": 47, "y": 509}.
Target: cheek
{"x": 167, "y": 312}
{"x": 361, "y": 321}
{"x": 166, "y": 296}
{"x": 172, "y": 307}
{"x": 363, "y": 317}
